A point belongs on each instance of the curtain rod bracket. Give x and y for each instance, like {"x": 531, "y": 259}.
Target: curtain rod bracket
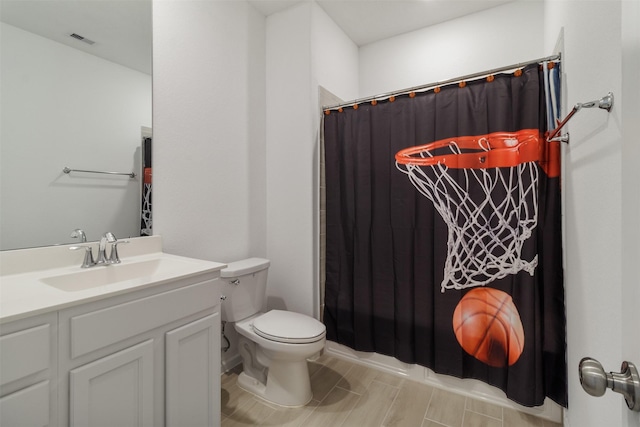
{"x": 604, "y": 103}
{"x": 562, "y": 138}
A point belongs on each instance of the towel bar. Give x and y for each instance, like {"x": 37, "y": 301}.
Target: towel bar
{"x": 129, "y": 174}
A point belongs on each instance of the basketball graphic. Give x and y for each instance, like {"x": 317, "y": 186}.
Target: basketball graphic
{"x": 487, "y": 229}
{"x": 487, "y": 325}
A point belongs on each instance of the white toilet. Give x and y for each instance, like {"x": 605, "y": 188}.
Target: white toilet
{"x": 275, "y": 345}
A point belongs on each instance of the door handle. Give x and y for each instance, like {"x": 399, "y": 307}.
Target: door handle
{"x": 595, "y": 381}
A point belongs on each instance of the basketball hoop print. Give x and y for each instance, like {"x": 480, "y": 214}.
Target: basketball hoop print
{"x": 488, "y": 226}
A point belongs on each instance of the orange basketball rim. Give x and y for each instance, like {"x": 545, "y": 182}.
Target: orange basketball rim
{"x": 493, "y": 150}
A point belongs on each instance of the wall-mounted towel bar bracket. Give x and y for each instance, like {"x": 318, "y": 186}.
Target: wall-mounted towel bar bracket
{"x": 129, "y": 174}
{"x": 562, "y": 138}
{"x": 604, "y": 103}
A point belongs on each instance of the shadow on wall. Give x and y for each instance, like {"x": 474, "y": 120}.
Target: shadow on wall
{"x": 275, "y": 303}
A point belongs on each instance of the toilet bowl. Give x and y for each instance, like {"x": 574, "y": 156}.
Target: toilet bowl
{"x": 274, "y": 345}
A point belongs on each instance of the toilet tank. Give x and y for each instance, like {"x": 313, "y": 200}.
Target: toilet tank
{"x": 245, "y": 288}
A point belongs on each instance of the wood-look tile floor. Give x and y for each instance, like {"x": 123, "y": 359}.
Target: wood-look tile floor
{"x": 351, "y": 395}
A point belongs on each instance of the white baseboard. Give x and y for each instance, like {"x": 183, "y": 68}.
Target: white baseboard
{"x": 231, "y": 362}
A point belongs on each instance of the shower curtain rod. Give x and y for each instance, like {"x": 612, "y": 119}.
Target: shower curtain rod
{"x": 441, "y": 83}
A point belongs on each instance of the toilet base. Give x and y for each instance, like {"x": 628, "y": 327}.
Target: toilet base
{"x": 287, "y": 384}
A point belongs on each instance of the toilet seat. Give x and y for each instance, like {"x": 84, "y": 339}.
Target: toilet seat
{"x": 288, "y": 327}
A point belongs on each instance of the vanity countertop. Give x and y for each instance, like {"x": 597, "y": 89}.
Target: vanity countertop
{"x": 62, "y": 283}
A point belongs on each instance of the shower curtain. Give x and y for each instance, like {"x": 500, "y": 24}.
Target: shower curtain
{"x": 418, "y": 265}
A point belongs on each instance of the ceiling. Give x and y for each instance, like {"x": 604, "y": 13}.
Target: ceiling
{"x": 367, "y": 21}
{"x": 121, "y": 29}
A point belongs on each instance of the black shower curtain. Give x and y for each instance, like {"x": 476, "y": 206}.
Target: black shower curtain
{"x": 387, "y": 246}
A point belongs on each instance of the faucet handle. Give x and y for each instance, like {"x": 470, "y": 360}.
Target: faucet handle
{"x": 88, "y": 255}
{"x": 114, "y": 258}
{"x": 79, "y": 233}
{"x": 102, "y": 248}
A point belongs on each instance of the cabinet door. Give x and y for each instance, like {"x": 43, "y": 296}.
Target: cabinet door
{"x": 193, "y": 374}
{"x": 116, "y": 390}
{"x": 28, "y": 407}
{"x": 28, "y": 374}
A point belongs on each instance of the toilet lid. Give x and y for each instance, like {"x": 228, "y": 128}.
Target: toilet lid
{"x": 289, "y": 327}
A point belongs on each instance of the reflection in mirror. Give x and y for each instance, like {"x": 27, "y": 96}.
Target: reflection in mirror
{"x": 67, "y": 102}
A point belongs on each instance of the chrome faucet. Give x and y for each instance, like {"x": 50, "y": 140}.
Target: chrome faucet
{"x": 102, "y": 249}
{"x": 89, "y": 261}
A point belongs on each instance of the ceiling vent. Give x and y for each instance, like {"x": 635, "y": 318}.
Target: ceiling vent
{"x": 82, "y": 39}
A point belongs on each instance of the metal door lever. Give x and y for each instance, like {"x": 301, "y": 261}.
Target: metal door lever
{"x": 595, "y": 381}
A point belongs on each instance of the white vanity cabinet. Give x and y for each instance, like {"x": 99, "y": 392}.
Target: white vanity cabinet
{"x": 148, "y": 358}
{"x": 129, "y": 344}
{"x": 28, "y": 372}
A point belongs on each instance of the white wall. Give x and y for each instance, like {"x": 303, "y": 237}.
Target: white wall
{"x": 63, "y": 107}
{"x": 290, "y": 160}
{"x": 629, "y": 100}
{"x": 601, "y": 199}
{"x": 209, "y": 156}
{"x": 209, "y": 135}
{"x": 304, "y": 49}
{"x": 497, "y": 37}
{"x": 335, "y": 58}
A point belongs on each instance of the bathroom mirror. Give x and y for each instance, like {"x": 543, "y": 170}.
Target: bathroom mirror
{"x": 75, "y": 79}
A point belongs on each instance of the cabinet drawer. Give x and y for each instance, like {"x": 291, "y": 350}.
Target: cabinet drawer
{"x": 24, "y": 353}
{"x": 28, "y": 407}
{"x": 100, "y": 328}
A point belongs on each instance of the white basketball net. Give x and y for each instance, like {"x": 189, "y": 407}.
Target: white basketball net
{"x": 485, "y": 235}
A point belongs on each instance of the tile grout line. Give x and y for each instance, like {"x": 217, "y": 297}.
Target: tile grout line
{"x": 464, "y": 411}
{"x": 350, "y": 391}
{"x": 350, "y": 410}
{"x": 485, "y": 415}
{"x": 333, "y": 388}
{"x": 426, "y": 411}
{"x": 391, "y": 405}
{"x": 232, "y": 412}
{"x": 385, "y": 383}
{"x": 309, "y": 413}
{"x": 467, "y": 407}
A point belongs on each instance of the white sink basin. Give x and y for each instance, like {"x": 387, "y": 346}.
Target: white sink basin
{"x": 42, "y": 280}
{"x": 102, "y": 275}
